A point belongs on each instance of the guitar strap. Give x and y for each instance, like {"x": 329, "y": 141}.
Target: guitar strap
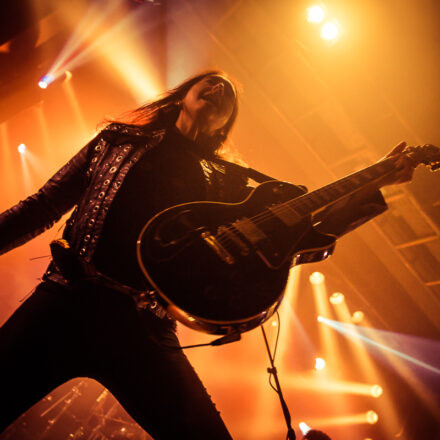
{"x": 243, "y": 171}
{"x": 249, "y": 172}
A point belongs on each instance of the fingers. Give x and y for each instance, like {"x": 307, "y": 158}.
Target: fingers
{"x": 404, "y": 169}
{"x": 397, "y": 149}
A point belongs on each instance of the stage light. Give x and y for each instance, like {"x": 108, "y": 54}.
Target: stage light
{"x": 319, "y": 364}
{"x": 304, "y": 428}
{"x": 274, "y": 323}
{"x": 22, "y": 148}
{"x": 371, "y": 417}
{"x": 316, "y": 278}
{"x": 315, "y": 14}
{"x": 329, "y": 31}
{"x": 337, "y": 298}
{"x": 357, "y": 317}
{"x": 46, "y": 80}
{"x": 376, "y": 391}
{"x": 360, "y": 333}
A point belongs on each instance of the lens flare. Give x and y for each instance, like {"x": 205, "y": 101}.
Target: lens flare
{"x": 376, "y": 391}
{"x": 22, "y": 148}
{"x": 316, "y": 278}
{"x": 357, "y": 317}
{"x": 337, "y": 298}
{"x": 304, "y": 427}
{"x": 330, "y": 31}
{"x": 315, "y": 14}
{"x": 319, "y": 364}
{"x": 360, "y": 333}
{"x": 46, "y": 80}
{"x": 371, "y": 417}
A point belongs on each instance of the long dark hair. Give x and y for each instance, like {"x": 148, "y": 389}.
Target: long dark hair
{"x": 164, "y": 112}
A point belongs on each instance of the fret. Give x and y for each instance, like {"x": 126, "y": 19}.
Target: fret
{"x": 323, "y": 197}
{"x": 283, "y": 214}
{"x": 294, "y": 211}
{"x": 332, "y": 190}
{"x": 302, "y": 210}
{"x": 306, "y": 201}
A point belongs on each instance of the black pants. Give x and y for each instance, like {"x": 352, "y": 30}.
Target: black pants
{"x": 59, "y": 334}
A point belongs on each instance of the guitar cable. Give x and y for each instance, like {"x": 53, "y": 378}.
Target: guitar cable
{"x": 226, "y": 339}
{"x": 275, "y": 351}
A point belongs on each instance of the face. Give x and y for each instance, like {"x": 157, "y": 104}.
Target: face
{"x": 210, "y": 103}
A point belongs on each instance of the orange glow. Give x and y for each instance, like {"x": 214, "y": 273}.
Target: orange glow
{"x": 327, "y": 336}
{"x": 370, "y": 373}
{"x": 317, "y": 278}
{"x": 372, "y": 417}
{"x": 336, "y": 298}
{"x": 315, "y": 14}
{"x": 319, "y": 363}
{"x": 318, "y": 383}
{"x": 355, "y": 419}
{"x": 357, "y": 317}
{"x": 68, "y": 88}
{"x": 330, "y": 31}
{"x": 376, "y": 391}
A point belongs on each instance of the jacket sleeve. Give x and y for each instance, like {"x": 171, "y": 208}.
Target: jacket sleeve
{"x": 348, "y": 214}
{"x": 38, "y": 212}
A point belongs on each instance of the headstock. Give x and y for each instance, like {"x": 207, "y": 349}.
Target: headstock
{"x": 427, "y": 154}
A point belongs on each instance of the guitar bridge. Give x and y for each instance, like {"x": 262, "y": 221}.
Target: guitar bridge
{"x": 220, "y": 250}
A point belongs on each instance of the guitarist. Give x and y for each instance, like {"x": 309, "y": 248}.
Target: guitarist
{"x": 77, "y": 324}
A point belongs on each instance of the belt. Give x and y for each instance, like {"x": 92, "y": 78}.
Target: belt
{"x": 72, "y": 271}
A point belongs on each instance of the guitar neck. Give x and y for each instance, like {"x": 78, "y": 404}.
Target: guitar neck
{"x": 321, "y": 198}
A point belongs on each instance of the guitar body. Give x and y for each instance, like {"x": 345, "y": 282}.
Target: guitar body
{"x": 221, "y": 267}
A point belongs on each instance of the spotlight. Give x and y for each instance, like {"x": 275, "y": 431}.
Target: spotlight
{"x": 316, "y": 278}
{"x": 329, "y": 31}
{"x": 304, "y": 427}
{"x": 319, "y": 364}
{"x": 376, "y": 391}
{"x": 315, "y": 14}
{"x": 357, "y": 317}
{"x": 337, "y": 298}
{"x": 320, "y": 319}
{"x": 371, "y": 417}
{"x": 274, "y": 323}
{"x": 46, "y": 80}
{"x": 22, "y": 148}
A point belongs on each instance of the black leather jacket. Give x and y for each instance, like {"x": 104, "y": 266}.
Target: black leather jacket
{"x": 91, "y": 179}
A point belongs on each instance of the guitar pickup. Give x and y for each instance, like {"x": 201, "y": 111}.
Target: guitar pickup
{"x": 218, "y": 248}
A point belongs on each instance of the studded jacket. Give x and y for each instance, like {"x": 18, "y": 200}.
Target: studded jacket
{"x": 89, "y": 182}
{"x": 91, "y": 179}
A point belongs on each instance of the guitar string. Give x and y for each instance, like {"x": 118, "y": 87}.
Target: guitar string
{"x": 266, "y": 214}
{"x": 300, "y": 202}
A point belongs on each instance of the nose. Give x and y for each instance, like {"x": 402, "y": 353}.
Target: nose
{"x": 218, "y": 89}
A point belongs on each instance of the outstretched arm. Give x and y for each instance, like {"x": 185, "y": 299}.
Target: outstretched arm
{"x": 38, "y": 212}
{"x": 344, "y": 216}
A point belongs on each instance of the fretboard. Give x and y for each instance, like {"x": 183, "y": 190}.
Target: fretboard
{"x": 321, "y": 198}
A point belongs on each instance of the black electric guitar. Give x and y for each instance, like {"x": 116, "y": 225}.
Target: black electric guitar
{"x": 220, "y": 267}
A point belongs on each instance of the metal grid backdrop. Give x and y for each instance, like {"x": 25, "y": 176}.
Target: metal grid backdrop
{"x": 318, "y": 121}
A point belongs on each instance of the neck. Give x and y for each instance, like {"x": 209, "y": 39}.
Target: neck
{"x": 187, "y": 126}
